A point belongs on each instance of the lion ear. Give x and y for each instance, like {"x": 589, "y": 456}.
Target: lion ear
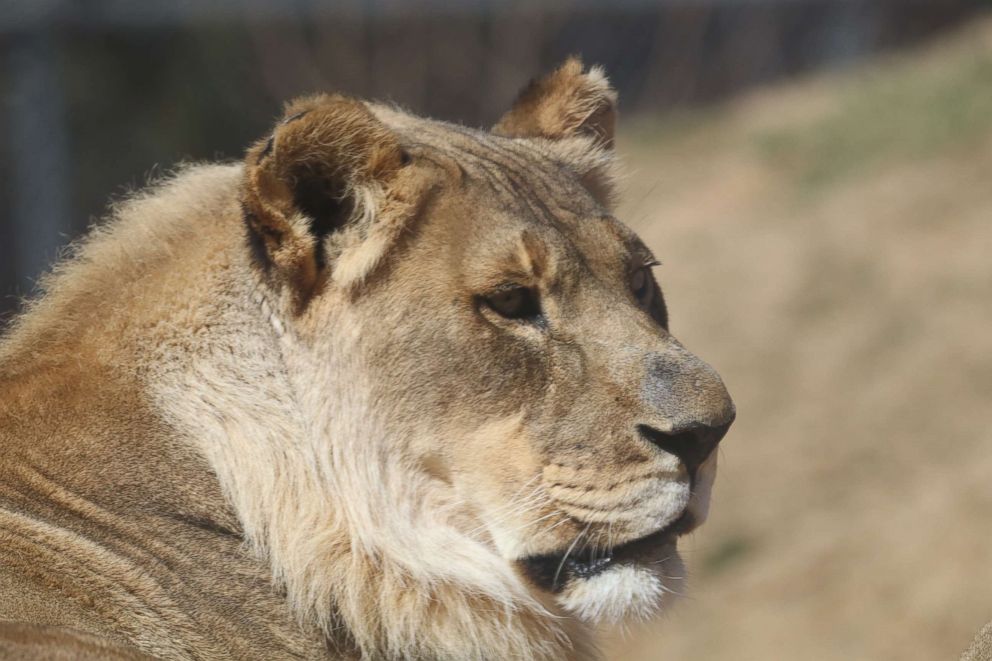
{"x": 568, "y": 102}
{"x": 320, "y": 172}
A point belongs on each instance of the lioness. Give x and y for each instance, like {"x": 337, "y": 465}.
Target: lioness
{"x": 390, "y": 388}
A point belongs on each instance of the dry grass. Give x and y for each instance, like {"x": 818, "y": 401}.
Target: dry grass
{"x": 828, "y": 247}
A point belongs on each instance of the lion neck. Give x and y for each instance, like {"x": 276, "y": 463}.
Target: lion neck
{"x": 360, "y": 540}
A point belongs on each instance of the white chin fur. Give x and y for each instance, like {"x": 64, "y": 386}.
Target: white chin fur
{"x": 627, "y": 592}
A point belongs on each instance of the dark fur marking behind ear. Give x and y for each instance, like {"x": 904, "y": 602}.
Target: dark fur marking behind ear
{"x": 294, "y": 117}
{"x": 267, "y": 149}
{"x": 256, "y": 243}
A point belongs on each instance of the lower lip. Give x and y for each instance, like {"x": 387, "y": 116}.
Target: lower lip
{"x": 552, "y": 573}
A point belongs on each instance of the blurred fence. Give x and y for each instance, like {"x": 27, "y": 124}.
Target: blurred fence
{"x": 97, "y": 92}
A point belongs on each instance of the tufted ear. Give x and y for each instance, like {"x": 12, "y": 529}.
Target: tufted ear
{"x": 576, "y": 111}
{"x": 566, "y": 103}
{"x": 321, "y": 172}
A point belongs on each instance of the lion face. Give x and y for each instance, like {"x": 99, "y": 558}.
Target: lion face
{"x": 511, "y": 328}
{"x": 529, "y": 343}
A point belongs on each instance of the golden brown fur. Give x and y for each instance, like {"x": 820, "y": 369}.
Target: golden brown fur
{"x": 289, "y": 408}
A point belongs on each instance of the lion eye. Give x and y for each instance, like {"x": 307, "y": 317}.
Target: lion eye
{"x": 514, "y": 303}
{"x": 640, "y": 285}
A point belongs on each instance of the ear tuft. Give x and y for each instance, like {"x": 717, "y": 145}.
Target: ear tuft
{"x": 568, "y": 102}
{"x": 322, "y": 168}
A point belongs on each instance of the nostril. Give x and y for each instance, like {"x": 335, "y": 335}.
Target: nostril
{"x": 691, "y": 444}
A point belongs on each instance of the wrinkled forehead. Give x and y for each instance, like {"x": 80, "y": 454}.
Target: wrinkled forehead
{"x": 522, "y": 193}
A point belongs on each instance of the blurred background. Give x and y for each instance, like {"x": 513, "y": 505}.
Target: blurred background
{"x": 815, "y": 175}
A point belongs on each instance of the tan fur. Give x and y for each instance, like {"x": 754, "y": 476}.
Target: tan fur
{"x": 19, "y": 640}
{"x": 266, "y": 410}
{"x": 565, "y": 103}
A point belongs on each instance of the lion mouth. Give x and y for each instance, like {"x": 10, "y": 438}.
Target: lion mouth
{"x": 553, "y": 571}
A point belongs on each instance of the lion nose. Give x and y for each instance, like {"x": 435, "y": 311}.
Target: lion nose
{"x": 692, "y": 444}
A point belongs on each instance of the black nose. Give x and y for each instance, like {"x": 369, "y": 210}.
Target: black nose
{"x": 692, "y": 444}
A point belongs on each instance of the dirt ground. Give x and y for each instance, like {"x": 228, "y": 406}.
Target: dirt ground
{"x": 827, "y": 246}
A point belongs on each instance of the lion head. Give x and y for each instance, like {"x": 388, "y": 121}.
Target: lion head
{"x": 494, "y": 396}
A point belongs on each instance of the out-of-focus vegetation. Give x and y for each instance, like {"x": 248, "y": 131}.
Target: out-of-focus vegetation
{"x": 827, "y": 247}
{"x": 887, "y": 115}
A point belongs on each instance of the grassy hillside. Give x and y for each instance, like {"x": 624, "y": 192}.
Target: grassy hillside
{"x": 828, "y": 247}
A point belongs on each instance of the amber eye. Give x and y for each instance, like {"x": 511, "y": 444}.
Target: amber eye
{"x": 514, "y": 303}
{"x": 641, "y": 285}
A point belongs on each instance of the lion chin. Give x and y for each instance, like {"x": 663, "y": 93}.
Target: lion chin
{"x": 630, "y": 582}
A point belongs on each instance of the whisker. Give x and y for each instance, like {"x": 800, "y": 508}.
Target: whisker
{"x": 524, "y": 486}
{"x": 565, "y": 519}
{"x": 534, "y": 522}
{"x": 536, "y": 499}
{"x": 561, "y": 564}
